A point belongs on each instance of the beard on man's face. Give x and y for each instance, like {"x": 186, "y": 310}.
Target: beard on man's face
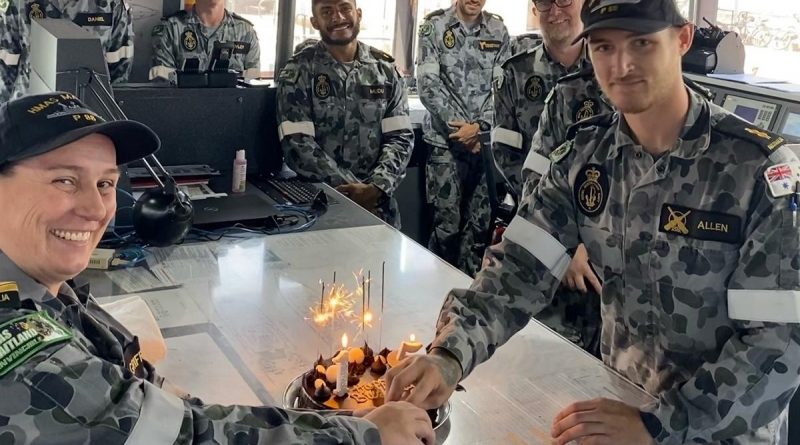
{"x": 327, "y": 35}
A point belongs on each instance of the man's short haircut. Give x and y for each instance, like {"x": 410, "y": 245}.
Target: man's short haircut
{"x": 316, "y": 2}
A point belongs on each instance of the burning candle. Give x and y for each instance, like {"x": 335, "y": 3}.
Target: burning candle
{"x": 343, "y": 360}
{"x": 408, "y": 347}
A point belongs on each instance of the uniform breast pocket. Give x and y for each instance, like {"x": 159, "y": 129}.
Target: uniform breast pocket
{"x": 605, "y": 254}
{"x": 693, "y": 263}
{"x": 372, "y": 110}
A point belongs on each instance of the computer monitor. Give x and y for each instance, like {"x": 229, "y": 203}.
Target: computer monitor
{"x": 757, "y": 112}
{"x": 791, "y": 124}
{"x": 61, "y": 55}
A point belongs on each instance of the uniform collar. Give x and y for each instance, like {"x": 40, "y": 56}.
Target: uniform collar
{"x": 363, "y": 55}
{"x": 695, "y": 137}
{"x": 582, "y": 63}
{"x": 454, "y": 21}
{"x": 30, "y": 289}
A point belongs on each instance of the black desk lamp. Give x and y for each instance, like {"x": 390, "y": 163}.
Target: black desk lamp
{"x": 161, "y": 216}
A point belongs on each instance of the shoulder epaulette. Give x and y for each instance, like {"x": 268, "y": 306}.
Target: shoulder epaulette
{"x": 601, "y": 120}
{"x": 529, "y": 35}
{"x": 238, "y": 17}
{"x": 587, "y": 73}
{"x": 767, "y": 141}
{"x": 498, "y": 17}
{"x": 434, "y": 14}
{"x": 380, "y": 55}
{"x": 517, "y": 56}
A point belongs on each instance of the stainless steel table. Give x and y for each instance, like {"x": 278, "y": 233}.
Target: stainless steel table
{"x": 239, "y": 330}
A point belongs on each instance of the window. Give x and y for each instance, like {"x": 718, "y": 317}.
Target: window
{"x": 770, "y": 31}
{"x": 377, "y": 25}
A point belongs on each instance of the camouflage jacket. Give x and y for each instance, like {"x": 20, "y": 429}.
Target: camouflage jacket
{"x": 111, "y": 21}
{"x": 455, "y": 70}
{"x": 182, "y": 36}
{"x": 698, "y": 260}
{"x": 345, "y": 125}
{"x": 519, "y": 99}
{"x": 72, "y": 374}
{"x": 576, "y": 97}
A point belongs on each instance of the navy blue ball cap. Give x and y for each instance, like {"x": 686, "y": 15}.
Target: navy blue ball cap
{"x": 34, "y": 125}
{"x": 638, "y": 16}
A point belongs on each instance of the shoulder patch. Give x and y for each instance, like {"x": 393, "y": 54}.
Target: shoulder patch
{"x": 603, "y": 120}
{"x": 380, "y": 55}
{"x": 434, "y": 14}
{"x": 9, "y": 295}
{"x": 587, "y": 73}
{"x": 498, "y": 17}
{"x": 425, "y": 29}
{"x": 238, "y": 17}
{"x": 767, "y": 141}
{"x": 23, "y": 337}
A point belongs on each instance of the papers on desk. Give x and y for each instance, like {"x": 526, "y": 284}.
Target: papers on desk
{"x": 183, "y": 264}
{"x": 139, "y": 279}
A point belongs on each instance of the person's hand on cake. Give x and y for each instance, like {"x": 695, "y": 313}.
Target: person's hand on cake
{"x": 426, "y": 381}
{"x": 401, "y": 423}
{"x": 600, "y": 421}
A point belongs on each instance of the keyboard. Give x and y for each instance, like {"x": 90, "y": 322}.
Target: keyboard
{"x": 291, "y": 192}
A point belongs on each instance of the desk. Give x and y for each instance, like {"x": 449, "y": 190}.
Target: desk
{"x": 245, "y": 334}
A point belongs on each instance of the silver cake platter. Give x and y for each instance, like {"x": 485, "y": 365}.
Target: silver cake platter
{"x": 295, "y": 398}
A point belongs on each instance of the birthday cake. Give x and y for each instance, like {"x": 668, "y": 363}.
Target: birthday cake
{"x": 365, "y": 386}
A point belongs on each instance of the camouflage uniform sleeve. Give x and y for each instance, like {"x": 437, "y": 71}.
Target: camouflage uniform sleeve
{"x": 164, "y": 64}
{"x": 119, "y": 47}
{"x": 63, "y": 391}
{"x": 252, "y": 62}
{"x": 13, "y": 50}
{"x": 487, "y": 109}
{"x": 549, "y": 134}
{"x": 397, "y": 140}
{"x": 508, "y": 142}
{"x": 756, "y": 373}
{"x": 297, "y": 131}
{"x": 439, "y": 99}
{"x": 518, "y": 278}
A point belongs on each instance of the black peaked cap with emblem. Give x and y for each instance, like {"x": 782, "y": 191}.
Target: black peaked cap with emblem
{"x": 34, "y": 125}
{"x": 638, "y": 16}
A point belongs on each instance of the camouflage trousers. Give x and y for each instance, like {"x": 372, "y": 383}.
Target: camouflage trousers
{"x": 576, "y": 317}
{"x": 456, "y": 188}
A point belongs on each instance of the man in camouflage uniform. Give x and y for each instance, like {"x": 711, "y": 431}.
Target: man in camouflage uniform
{"x": 70, "y": 372}
{"x": 343, "y": 113}
{"x": 460, "y": 53}
{"x": 111, "y": 21}
{"x": 528, "y": 78}
{"x": 185, "y": 35}
{"x": 686, "y": 212}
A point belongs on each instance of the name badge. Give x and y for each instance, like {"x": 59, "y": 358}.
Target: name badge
{"x": 489, "y": 45}
{"x": 98, "y": 19}
{"x": 241, "y": 47}
{"x": 699, "y": 224}
{"x": 9, "y": 295}
{"x": 373, "y": 91}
